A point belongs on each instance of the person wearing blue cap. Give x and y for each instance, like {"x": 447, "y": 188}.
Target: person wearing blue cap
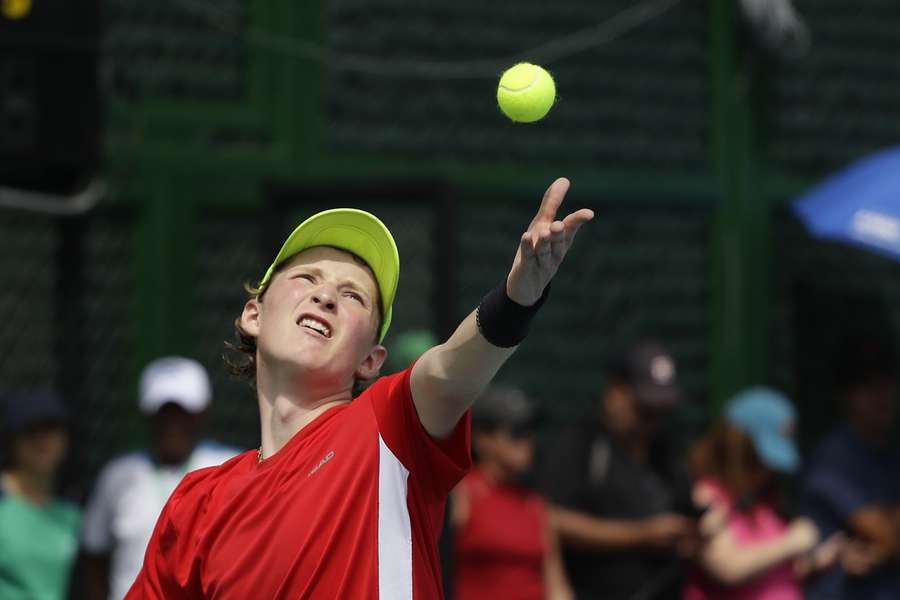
{"x": 752, "y": 552}
{"x": 38, "y": 531}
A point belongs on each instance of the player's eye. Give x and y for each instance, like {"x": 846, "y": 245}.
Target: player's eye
{"x": 355, "y": 296}
{"x": 305, "y": 276}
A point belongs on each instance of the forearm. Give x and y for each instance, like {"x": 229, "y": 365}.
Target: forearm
{"x": 448, "y": 378}
{"x": 579, "y": 529}
{"x": 732, "y": 564}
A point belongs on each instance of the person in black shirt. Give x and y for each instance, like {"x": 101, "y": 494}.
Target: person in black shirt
{"x": 617, "y": 486}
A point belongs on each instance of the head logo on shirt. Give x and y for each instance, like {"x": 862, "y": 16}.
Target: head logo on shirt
{"x": 321, "y": 464}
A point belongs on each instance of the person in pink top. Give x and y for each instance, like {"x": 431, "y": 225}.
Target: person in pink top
{"x": 752, "y": 552}
{"x": 505, "y": 546}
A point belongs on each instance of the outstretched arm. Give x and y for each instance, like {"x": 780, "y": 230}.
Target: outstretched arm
{"x": 448, "y": 378}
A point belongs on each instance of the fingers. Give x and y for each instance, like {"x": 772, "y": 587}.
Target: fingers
{"x": 526, "y": 246}
{"x": 558, "y": 241}
{"x": 542, "y": 247}
{"x": 549, "y": 239}
{"x": 553, "y": 197}
{"x": 575, "y": 220}
{"x": 553, "y": 241}
{"x": 578, "y": 218}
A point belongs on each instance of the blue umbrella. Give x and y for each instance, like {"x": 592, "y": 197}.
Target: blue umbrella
{"x": 859, "y": 205}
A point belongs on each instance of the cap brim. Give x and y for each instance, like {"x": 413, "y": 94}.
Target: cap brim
{"x": 777, "y": 452}
{"x": 355, "y": 231}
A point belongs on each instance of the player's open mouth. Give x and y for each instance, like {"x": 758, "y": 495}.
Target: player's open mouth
{"x": 320, "y": 327}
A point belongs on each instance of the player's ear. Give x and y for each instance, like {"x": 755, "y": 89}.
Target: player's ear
{"x": 371, "y": 364}
{"x": 250, "y": 317}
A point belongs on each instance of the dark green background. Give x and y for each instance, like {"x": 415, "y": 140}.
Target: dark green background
{"x": 685, "y": 143}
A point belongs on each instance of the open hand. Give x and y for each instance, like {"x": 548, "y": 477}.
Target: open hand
{"x": 544, "y": 246}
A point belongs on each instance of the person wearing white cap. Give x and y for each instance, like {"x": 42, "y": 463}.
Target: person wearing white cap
{"x": 174, "y": 393}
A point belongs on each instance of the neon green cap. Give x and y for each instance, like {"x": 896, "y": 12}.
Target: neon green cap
{"x": 358, "y": 232}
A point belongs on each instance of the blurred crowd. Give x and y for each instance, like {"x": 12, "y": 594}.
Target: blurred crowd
{"x": 50, "y": 548}
{"x": 611, "y": 507}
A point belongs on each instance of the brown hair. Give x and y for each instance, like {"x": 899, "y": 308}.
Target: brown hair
{"x": 727, "y": 455}
{"x": 242, "y": 363}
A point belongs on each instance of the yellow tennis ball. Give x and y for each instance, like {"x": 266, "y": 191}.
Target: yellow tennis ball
{"x": 15, "y": 9}
{"x": 526, "y": 93}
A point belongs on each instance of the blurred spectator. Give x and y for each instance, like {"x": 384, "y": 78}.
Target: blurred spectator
{"x": 853, "y": 481}
{"x": 617, "y": 484}
{"x": 38, "y": 532}
{"x": 505, "y": 546}
{"x": 751, "y": 552}
{"x": 132, "y": 490}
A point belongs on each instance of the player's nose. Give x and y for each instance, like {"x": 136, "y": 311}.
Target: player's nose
{"x": 325, "y": 296}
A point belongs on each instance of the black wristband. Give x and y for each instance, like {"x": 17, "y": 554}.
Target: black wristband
{"x": 501, "y": 321}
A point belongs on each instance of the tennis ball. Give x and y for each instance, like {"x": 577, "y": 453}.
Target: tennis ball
{"x": 15, "y": 9}
{"x": 526, "y": 93}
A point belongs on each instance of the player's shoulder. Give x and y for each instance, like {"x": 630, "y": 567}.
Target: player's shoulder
{"x": 213, "y": 474}
{"x": 393, "y": 383}
{"x": 199, "y": 484}
{"x": 210, "y": 452}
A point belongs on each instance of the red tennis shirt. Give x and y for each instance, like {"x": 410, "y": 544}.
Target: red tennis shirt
{"x": 351, "y": 507}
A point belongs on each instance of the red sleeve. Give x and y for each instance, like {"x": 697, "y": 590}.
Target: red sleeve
{"x": 170, "y": 565}
{"x": 437, "y": 464}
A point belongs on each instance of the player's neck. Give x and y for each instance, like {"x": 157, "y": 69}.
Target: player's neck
{"x": 34, "y": 487}
{"x": 284, "y": 410}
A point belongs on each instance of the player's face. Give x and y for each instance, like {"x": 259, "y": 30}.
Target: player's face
{"x": 319, "y": 316}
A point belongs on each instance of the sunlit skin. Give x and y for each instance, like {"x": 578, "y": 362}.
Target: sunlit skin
{"x": 303, "y": 372}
